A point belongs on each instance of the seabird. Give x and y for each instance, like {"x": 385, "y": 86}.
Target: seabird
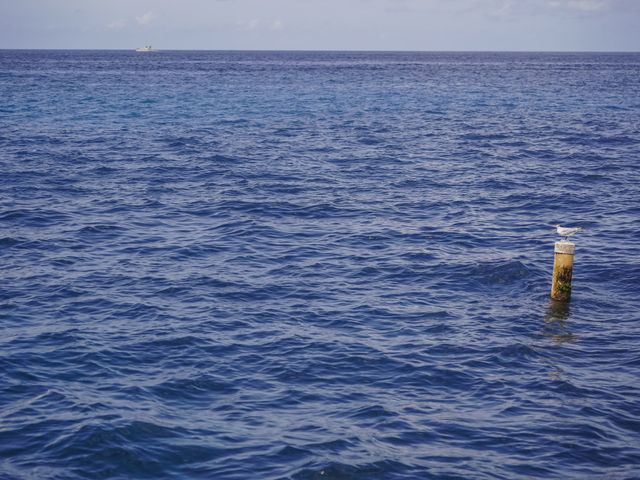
{"x": 566, "y": 232}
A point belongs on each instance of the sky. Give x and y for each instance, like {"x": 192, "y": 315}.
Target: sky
{"x": 468, "y": 25}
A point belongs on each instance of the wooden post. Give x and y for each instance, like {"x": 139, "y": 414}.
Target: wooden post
{"x": 562, "y": 271}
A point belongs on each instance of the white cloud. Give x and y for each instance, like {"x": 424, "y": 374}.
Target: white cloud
{"x": 117, "y": 24}
{"x": 502, "y": 8}
{"x": 493, "y": 8}
{"x": 259, "y": 24}
{"x": 249, "y": 24}
{"x": 579, "y": 5}
{"x": 507, "y": 9}
{"x": 145, "y": 19}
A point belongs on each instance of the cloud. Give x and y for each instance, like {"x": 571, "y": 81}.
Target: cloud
{"x": 145, "y": 19}
{"x": 502, "y": 8}
{"x": 498, "y": 9}
{"x": 509, "y": 9}
{"x": 259, "y": 24}
{"x": 579, "y": 5}
{"x": 117, "y": 24}
{"x": 249, "y": 24}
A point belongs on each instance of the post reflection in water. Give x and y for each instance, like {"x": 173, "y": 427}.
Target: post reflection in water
{"x": 556, "y": 322}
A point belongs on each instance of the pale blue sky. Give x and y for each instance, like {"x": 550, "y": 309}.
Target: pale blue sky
{"x": 591, "y": 25}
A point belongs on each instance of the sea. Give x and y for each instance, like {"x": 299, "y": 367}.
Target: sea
{"x": 318, "y": 265}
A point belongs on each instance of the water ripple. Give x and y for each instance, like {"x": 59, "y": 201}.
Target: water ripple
{"x": 317, "y": 265}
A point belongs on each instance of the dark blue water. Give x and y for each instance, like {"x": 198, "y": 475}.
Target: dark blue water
{"x": 253, "y": 265}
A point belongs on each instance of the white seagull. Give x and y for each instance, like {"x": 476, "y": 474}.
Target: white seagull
{"x": 566, "y": 232}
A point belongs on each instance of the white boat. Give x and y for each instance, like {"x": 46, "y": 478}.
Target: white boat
{"x": 144, "y": 49}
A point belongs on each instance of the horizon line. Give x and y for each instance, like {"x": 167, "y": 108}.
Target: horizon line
{"x": 320, "y": 50}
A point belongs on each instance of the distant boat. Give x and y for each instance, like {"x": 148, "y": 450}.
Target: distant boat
{"x": 144, "y": 49}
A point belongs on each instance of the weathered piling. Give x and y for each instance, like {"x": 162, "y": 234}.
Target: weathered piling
{"x": 562, "y": 271}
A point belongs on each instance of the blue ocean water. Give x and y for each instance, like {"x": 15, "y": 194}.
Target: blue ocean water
{"x": 317, "y": 265}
